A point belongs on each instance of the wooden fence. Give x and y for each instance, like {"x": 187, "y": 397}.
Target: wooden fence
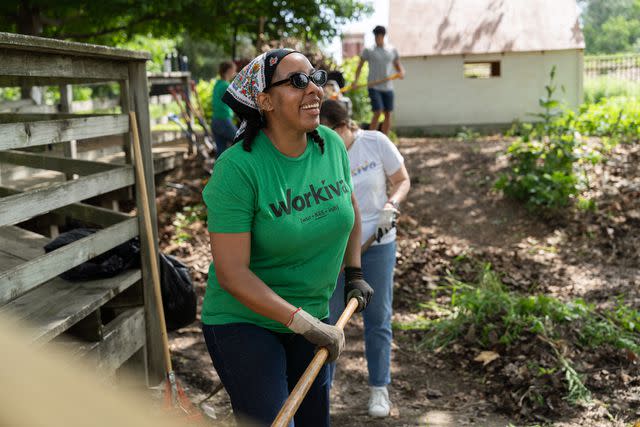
{"x": 623, "y": 67}
{"x": 112, "y": 321}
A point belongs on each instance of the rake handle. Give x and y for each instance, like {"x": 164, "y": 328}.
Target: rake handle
{"x": 306, "y": 380}
{"x": 370, "y": 84}
{"x": 153, "y": 255}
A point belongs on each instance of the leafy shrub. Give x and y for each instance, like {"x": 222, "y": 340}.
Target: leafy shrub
{"x": 617, "y": 118}
{"x": 544, "y": 161}
{"x": 359, "y": 97}
{"x": 205, "y": 91}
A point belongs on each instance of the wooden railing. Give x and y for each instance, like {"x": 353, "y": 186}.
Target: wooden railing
{"x": 626, "y": 67}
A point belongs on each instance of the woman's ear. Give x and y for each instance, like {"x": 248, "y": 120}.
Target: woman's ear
{"x": 264, "y": 102}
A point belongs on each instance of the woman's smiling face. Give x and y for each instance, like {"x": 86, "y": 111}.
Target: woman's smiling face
{"x": 293, "y": 107}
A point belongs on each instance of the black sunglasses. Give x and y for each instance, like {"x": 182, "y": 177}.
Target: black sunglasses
{"x": 301, "y": 80}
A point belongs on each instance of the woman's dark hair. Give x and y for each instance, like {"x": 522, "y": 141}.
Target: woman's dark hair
{"x": 333, "y": 113}
{"x": 254, "y": 125}
{"x": 224, "y": 67}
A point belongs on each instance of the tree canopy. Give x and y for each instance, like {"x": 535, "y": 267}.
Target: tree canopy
{"x": 114, "y": 21}
{"x": 611, "y": 26}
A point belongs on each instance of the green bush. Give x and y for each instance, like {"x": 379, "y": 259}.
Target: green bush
{"x": 617, "y": 118}
{"x": 359, "y": 97}
{"x": 205, "y": 91}
{"x": 545, "y": 160}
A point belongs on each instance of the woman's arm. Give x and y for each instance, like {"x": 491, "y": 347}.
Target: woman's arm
{"x": 352, "y": 254}
{"x": 231, "y": 254}
{"x": 400, "y": 184}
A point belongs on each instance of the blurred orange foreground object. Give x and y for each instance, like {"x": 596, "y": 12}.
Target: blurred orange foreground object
{"x": 43, "y": 386}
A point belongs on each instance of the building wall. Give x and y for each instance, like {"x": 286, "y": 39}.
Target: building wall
{"x": 435, "y": 92}
{"x": 352, "y": 44}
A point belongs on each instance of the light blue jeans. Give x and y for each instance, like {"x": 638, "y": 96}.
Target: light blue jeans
{"x": 377, "y": 266}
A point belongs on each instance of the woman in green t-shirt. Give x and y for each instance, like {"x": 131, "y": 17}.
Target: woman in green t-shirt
{"x": 221, "y": 118}
{"x": 282, "y": 219}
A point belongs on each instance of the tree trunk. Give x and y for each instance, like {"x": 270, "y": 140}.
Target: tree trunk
{"x": 29, "y": 19}
{"x": 29, "y": 22}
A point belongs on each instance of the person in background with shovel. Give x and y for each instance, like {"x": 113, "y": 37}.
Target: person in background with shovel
{"x": 381, "y": 59}
{"x": 374, "y": 160}
{"x": 282, "y": 219}
{"x": 222, "y": 125}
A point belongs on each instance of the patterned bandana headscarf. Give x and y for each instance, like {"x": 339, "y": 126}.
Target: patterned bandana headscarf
{"x": 255, "y": 77}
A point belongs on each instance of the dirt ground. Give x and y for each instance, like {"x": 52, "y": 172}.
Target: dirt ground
{"x": 454, "y": 213}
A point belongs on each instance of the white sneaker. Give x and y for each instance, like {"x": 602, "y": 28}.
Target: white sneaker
{"x": 379, "y": 404}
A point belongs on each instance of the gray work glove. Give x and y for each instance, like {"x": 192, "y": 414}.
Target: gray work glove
{"x": 356, "y": 287}
{"x": 386, "y": 221}
{"x": 319, "y": 333}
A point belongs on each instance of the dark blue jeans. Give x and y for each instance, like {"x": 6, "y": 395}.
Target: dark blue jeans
{"x": 223, "y": 132}
{"x": 259, "y": 368}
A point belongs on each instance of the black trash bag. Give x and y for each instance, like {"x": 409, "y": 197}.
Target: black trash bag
{"x": 108, "y": 264}
{"x": 178, "y": 295}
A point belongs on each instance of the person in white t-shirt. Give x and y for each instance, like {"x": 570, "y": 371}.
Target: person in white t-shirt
{"x": 374, "y": 160}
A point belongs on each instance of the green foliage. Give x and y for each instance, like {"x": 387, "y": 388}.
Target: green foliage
{"x": 543, "y": 161}
{"x": 158, "y": 47}
{"x": 115, "y": 21}
{"x": 596, "y": 89}
{"x": 611, "y": 26}
{"x": 188, "y": 216}
{"x": 9, "y": 93}
{"x": 204, "y": 56}
{"x": 205, "y": 92}
{"x": 467, "y": 134}
{"x": 492, "y": 316}
{"x": 615, "y": 119}
{"x": 359, "y": 97}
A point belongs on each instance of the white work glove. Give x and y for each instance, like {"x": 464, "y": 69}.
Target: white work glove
{"x": 386, "y": 221}
{"x": 319, "y": 333}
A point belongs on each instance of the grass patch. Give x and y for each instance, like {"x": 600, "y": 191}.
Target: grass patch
{"x": 485, "y": 315}
{"x": 598, "y": 88}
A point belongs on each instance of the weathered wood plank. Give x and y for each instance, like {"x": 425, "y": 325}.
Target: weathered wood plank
{"x": 93, "y": 214}
{"x": 70, "y": 148}
{"x": 89, "y": 328}
{"x": 21, "y": 279}
{"x": 21, "y": 243}
{"x": 122, "y": 338}
{"x": 60, "y": 164}
{"x": 53, "y": 307}
{"x": 25, "y": 134}
{"x": 140, "y": 94}
{"x": 25, "y": 66}
{"x": 9, "y": 260}
{"x": 40, "y": 44}
{"x": 42, "y": 200}
{"x": 79, "y": 211}
{"x": 40, "y": 117}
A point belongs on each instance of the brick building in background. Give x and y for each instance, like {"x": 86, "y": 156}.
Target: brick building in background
{"x": 352, "y": 44}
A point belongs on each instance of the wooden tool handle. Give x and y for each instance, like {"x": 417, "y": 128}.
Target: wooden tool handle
{"x": 153, "y": 255}
{"x": 306, "y": 380}
{"x": 372, "y": 83}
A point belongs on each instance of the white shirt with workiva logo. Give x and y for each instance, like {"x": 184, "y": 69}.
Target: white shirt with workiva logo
{"x": 373, "y": 158}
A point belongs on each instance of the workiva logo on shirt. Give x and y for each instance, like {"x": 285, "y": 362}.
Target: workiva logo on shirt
{"x": 314, "y": 196}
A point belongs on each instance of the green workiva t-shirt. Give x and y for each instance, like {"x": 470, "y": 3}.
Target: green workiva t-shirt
{"x": 299, "y": 213}
{"x": 220, "y": 109}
